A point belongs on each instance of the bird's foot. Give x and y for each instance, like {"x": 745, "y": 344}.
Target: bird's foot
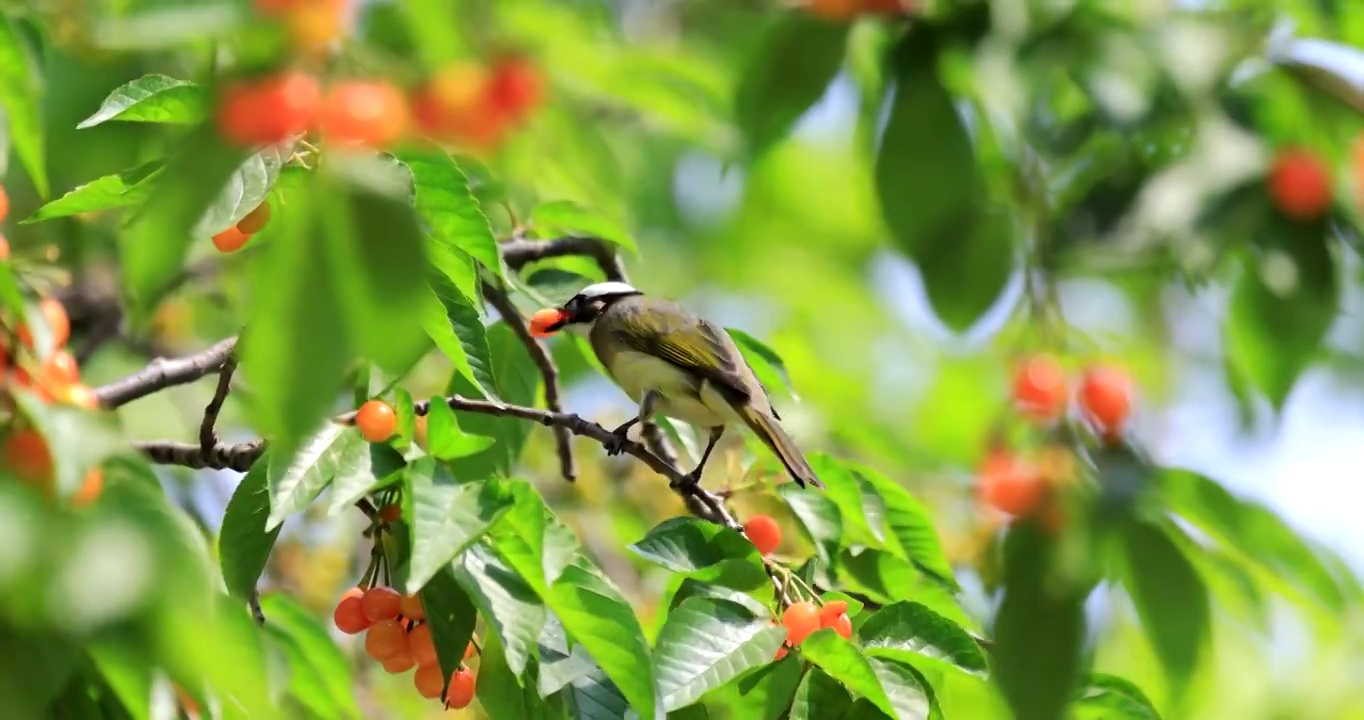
{"x": 691, "y": 479}
{"x": 616, "y": 445}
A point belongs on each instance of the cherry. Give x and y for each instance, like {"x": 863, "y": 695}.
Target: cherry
{"x": 543, "y": 321}
{"x": 1300, "y": 184}
{"x": 764, "y": 532}
{"x": 470, "y": 650}
{"x": 255, "y": 220}
{"x": 800, "y": 620}
{"x": 231, "y": 240}
{"x": 90, "y": 488}
{"x": 57, "y": 323}
{"x": 349, "y": 616}
{"x": 4, "y": 204}
{"x": 80, "y": 396}
{"x": 831, "y": 611}
{"x": 453, "y": 106}
{"x": 376, "y": 421}
{"x": 314, "y": 24}
{"x": 400, "y": 663}
{"x": 25, "y": 454}
{"x": 4, "y": 249}
{"x": 420, "y": 646}
{"x": 461, "y": 691}
{"x": 1010, "y": 485}
{"x": 516, "y": 86}
{"x": 268, "y": 110}
{"x": 364, "y": 113}
{"x": 381, "y": 603}
{"x": 781, "y": 652}
{"x": 833, "y": 9}
{"x": 429, "y": 680}
{"x": 391, "y": 513}
{"x": 1039, "y": 388}
{"x": 385, "y": 639}
{"x": 411, "y": 605}
{"x": 842, "y": 625}
{"x": 1106, "y": 397}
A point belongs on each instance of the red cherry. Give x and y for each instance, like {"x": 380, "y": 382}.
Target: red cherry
{"x": 349, "y": 616}
{"x": 1106, "y": 397}
{"x": 1010, "y": 484}
{"x": 376, "y": 421}
{"x": 1039, "y": 388}
{"x": 1300, "y": 184}
{"x": 764, "y": 532}
{"x": 801, "y": 619}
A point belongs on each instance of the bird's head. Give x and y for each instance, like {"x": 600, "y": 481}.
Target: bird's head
{"x": 583, "y": 308}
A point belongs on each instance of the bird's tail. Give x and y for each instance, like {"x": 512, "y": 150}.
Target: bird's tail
{"x": 769, "y": 430}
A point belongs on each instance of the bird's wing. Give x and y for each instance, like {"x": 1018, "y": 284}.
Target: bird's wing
{"x": 690, "y": 343}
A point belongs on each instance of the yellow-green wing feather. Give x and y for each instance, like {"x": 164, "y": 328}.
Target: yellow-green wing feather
{"x": 687, "y": 341}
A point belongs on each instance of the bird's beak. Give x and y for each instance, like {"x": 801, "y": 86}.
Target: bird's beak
{"x": 548, "y": 321}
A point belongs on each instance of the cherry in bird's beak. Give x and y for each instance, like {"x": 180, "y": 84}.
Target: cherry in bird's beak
{"x": 548, "y": 321}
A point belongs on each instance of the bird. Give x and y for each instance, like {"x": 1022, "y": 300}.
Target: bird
{"x": 674, "y": 362}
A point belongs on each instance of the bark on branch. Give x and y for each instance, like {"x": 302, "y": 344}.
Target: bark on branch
{"x": 163, "y": 373}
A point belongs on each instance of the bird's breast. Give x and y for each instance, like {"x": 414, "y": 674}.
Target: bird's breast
{"x": 684, "y": 396}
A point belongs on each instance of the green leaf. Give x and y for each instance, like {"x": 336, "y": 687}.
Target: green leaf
{"x": 451, "y": 614}
{"x": 19, "y": 96}
{"x": 335, "y": 451}
{"x": 126, "y": 669}
{"x": 911, "y": 533}
{"x": 518, "y": 381}
{"x": 1107, "y": 697}
{"x": 444, "y": 438}
{"x": 152, "y": 98}
{"x": 765, "y": 361}
{"x": 1170, "y": 598}
{"x": 819, "y": 696}
{"x": 509, "y": 605}
{"x": 85, "y": 439}
{"x": 859, "y": 504}
{"x": 1282, "y": 307}
{"x": 500, "y": 691}
{"x": 313, "y": 656}
{"x": 375, "y": 251}
{"x": 818, "y": 515}
{"x": 594, "y": 697}
{"x": 764, "y": 693}
{"x": 705, "y": 643}
{"x": 692, "y": 587}
{"x": 454, "y": 321}
{"x": 560, "y": 665}
{"x": 294, "y": 350}
{"x": 450, "y": 210}
{"x": 907, "y": 628}
{"x": 124, "y": 189}
{"x": 688, "y": 544}
{"x": 246, "y": 188}
{"x": 798, "y": 57}
{"x": 354, "y": 481}
{"x": 195, "y": 196}
{"x": 1038, "y": 630}
{"x": 1253, "y": 533}
{"x": 965, "y": 277}
{"x": 565, "y": 218}
{"x": 594, "y": 613}
{"x": 893, "y": 688}
{"x": 243, "y": 542}
{"x": 447, "y": 518}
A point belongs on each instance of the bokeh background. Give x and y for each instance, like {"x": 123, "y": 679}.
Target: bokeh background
{"x": 791, "y": 247}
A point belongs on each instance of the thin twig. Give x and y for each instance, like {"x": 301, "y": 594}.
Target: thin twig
{"x": 256, "y": 612}
{"x": 208, "y": 434}
{"x": 163, "y": 373}
{"x": 563, "y": 439}
{"x": 518, "y": 253}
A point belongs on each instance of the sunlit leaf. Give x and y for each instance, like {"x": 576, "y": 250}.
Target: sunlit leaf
{"x": 124, "y": 189}
{"x": 447, "y": 518}
{"x": 765, "y": 361}
{"x": 444, "y": 438}
{"x": 500, "y": 691}
{"x": 1107, "y": 697}
{"x": 909, "y": 627}
{"x": 243, "y": 542}
{"x": 518, "y": 381}
{"x": 560, "y": 664}
{"x": 451, "y": 211}
{"x": 451, "y": 614}
{"x": 706, "y": 643}
{"x": 335, "y": 451}
{"x": 505, "y": 600}
{"x": 454, "y": 322}
{"x": 893, "y": 688}
{"x": 20, "y": 98}
{"x": 152, "y": 98}
{"x": 763, "y": 693}
{"x": 908, "y": 524}
{"x": 818, "y": 514}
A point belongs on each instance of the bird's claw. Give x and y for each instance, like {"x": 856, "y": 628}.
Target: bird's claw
{"x": 617, "y": 444}
{"x": 691, "y": 479}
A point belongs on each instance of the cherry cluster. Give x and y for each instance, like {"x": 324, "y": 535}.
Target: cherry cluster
{"x": 53, "y": 378}
{"x": 803, "y": 618}
{"x": 1022, "y": 485}
{"x": 399, "y": 638}
{"x": 237, "y": 236}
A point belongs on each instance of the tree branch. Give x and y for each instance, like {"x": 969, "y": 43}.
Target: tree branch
{"x": 163, "y": 373}
{"x": 208, "y": 435}
{"x": 518, "y": 253}
{"x": 563, "y": 439}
